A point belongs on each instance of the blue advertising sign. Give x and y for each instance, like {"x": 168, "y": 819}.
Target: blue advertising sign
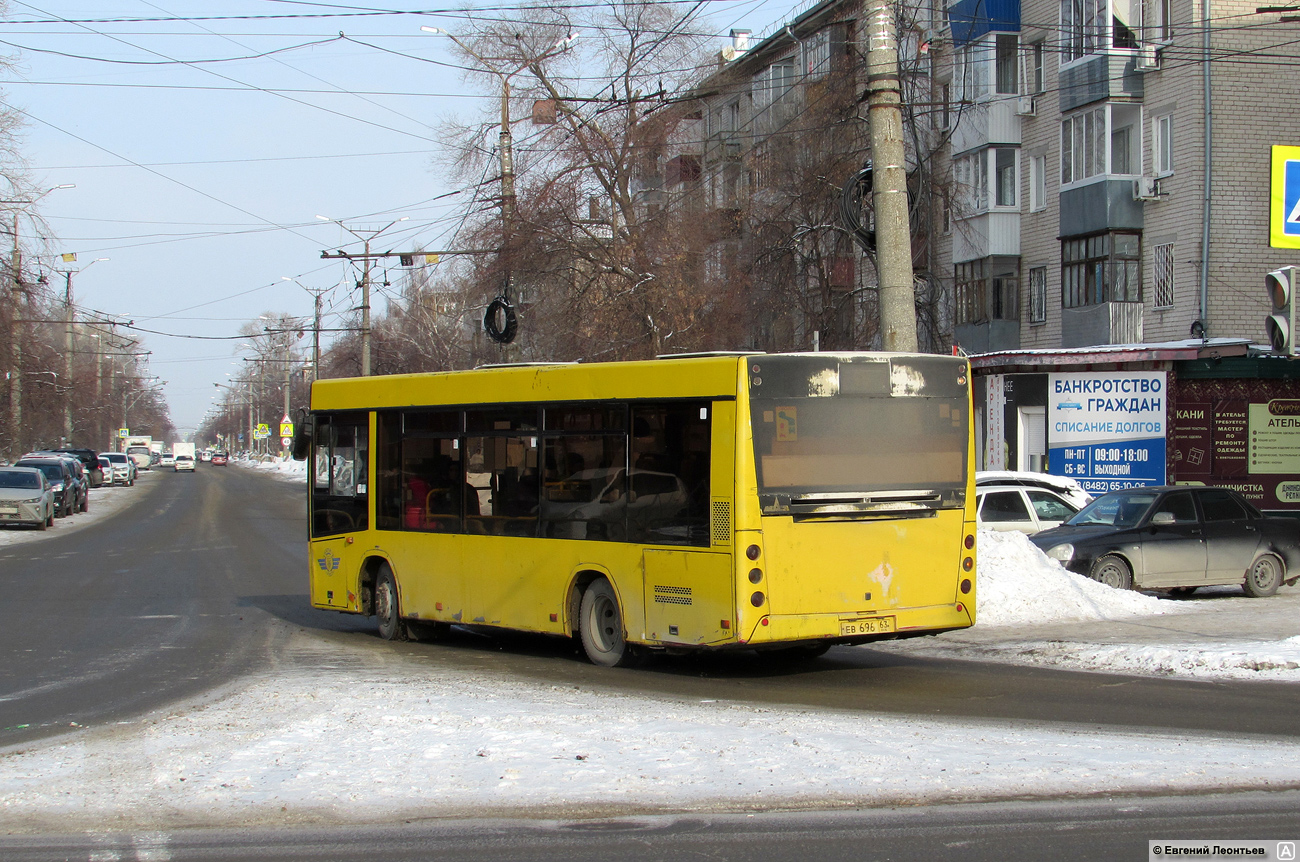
{"x": 1106, "y": 429}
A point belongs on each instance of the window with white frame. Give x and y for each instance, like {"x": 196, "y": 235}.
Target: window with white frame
{"x": 773, "y": 83}
{"x": 972, "y": 70}
{"x": 1162, "y": 144}
{"x": 1038, "y": 294}
{"x": 1083, "y": 25}
{"x": 971, "y": 173}
{"x": 1031, "y": 69}
{"x": 1162, "y": 275}
{"x": 1155, "y": 20}
{"x": 1005, "y": 49}
{"x": 1005, "y": 178}
{"x": 1125, "y": 22}
{"x": 1083, "y": 145}
{"x": 1038, "y": 183}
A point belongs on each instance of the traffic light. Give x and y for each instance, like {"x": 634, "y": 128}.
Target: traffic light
{"x": 1281, "y": 285}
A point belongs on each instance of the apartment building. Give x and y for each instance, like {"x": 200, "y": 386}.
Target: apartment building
{"x": 1088, "y": 133}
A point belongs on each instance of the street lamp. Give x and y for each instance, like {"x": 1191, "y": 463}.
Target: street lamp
{"x": 365, "y": 285}
{"x": 67, "y": 347}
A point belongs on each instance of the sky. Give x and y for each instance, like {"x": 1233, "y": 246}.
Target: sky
{"x": 442, "y": 741}
{"x": 201, "y": 182}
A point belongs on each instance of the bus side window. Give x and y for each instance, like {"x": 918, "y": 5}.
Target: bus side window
{"x": 668, "y": 495}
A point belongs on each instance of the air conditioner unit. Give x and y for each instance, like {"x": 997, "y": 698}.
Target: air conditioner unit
{"x": 1146, "y": 189}
{"x": 1148, "y": 57}
{"x": 1026, "y": 106}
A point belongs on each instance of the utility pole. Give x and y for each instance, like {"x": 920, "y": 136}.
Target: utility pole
{"x": 365, "y": 282}
{"x": 15, "y": 339}
{"x": 67, "y": 360}
{"x": 889, "y": 181}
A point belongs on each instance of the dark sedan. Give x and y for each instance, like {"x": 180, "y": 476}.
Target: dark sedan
{"x": 1177, "y": 538}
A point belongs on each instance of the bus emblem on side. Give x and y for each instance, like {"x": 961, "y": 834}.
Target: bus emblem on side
{"x": 787, "y": 424}
{"x": 329, "y": 562}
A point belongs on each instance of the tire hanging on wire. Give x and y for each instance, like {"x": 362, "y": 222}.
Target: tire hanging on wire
{"x": 500, "y": 321}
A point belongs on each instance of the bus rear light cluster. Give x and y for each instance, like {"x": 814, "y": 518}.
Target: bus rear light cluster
{"x": 970, "y": 542}
{"x": 967, "y": 564}
{"x": 757, "y": 599}
{"x": 755, "y": 575}
{"x": 752, "y": 552}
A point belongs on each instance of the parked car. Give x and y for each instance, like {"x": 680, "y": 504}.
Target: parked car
{"x": 90, "y": 460}
{"x": 220, "y": 459}
{"x": 1025, "y": 509}
{"x": 80, "y": 476}
{"x": 1066, "y": 487}
{"x": 1177, "y": 538}
{"x": 183, "y": 464}
{"x": 106, "y": 467}
{"x": 63, "y": 481}
{"x": 124, "y": 469}
{"x": 26, "y": 497}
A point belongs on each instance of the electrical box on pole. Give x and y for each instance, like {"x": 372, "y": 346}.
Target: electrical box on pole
{"x": 1280, "y": 325}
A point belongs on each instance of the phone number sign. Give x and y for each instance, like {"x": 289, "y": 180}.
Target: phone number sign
{"x": 1107, "y": 429}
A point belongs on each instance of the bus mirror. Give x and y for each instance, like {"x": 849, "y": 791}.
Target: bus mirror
{"x": 302, "y": 438}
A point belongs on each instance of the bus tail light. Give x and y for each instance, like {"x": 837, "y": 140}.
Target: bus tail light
{"x": 965, "y": 586}
{"x": 967, "y": 564}
{"x": 970, "y": 542}
{"x": 755, "y": 575}
{"x": 753, "y": 551}
{"x": 960, "y": 608}
{"x": 757, "y": 600}
{"x": 726, "y": 624}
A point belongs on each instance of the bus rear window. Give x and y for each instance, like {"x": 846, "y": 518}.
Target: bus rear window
{"x": 891, "y": 428}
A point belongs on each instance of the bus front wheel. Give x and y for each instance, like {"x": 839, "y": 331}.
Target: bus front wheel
{"x": 601, "y": 626}
{"x": 391, "y": 627}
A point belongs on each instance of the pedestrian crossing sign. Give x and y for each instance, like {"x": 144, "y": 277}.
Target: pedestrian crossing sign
{"x": 1284, "y": 201}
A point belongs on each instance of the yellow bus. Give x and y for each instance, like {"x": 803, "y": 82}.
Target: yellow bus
{"x": 774, "y": 502}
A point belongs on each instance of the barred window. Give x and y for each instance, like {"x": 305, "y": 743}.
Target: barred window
{"x": 1163, "y": 275}
{"x": 1102, "y": 268}
{"x": 1038, "y": 294}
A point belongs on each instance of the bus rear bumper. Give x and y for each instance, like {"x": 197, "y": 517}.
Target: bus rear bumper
{"x": 861, "y": 628}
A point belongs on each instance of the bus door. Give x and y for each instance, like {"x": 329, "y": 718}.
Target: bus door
{"x": 339, "y": 503}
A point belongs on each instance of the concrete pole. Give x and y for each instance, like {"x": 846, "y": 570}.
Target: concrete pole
{"x": 16, "y": 375}
{"x": 889, "y": 181}
{"x": 67, "y": 360}
{"x": 365, "y": 315}
{"x": 315, "y": 342}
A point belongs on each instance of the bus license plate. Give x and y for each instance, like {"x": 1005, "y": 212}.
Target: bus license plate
{"x": 871, "y": 626}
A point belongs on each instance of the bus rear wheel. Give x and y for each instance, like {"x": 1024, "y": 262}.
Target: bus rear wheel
{"x": 601, "y": 625}
{"x": 387, "y": 608}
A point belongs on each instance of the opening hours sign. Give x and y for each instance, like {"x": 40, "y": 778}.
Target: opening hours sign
{"x": 1106, "y": 429}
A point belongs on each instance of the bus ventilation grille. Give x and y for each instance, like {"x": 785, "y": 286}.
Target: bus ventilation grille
{"x": 721, "y": 522}
{"x": 672, "y": 595}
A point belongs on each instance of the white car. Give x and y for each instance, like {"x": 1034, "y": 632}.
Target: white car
{"x": 26, "y": 497}
{"x": 183, "y": 464}
{"x": 1020, "y": 508}
{"x": 166, "y": 459}
{"x": 124, "y": 468}
{"x": 1063, "y": 485}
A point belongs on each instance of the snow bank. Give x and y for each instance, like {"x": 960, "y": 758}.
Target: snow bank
{"x": 1019, "y": 585}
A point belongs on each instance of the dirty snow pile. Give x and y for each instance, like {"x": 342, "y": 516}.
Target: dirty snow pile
{"x": 287, "y": 470}
{"x": 1020, "y": 585}
{"x": 342, "y": 744}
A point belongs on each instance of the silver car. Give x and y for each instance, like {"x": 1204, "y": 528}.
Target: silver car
{"x": 123, "y": 468}
{"x": 26, "y": 497}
